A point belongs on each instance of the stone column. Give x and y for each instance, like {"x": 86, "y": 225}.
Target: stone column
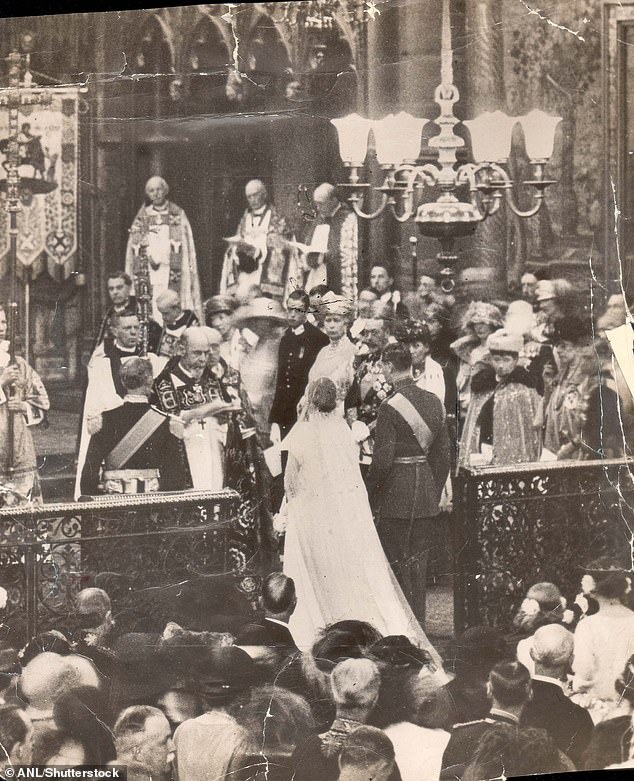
{"x": 377, "y": 239}
{"x": 485, "y": 92}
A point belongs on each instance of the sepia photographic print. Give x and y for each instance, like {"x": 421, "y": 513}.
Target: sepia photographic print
{"x": 317, "y": 390}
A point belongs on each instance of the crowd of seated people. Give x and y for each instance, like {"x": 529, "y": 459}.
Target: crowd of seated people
{"x": 239, "y": 701}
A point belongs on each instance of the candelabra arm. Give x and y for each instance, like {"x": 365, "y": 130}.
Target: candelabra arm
{"x": 539, "y": 200}
{"x": 427, "y": 174}
{"x": 354, "y": 202}
{"x": 467, "y": 174}
{"x": 408, "y": 212}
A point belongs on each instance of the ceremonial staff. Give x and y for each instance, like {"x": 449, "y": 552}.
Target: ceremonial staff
{"x": 14, "y": 98}
{"x": 142, "y": 284}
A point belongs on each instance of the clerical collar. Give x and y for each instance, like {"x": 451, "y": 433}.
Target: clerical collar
{"x": 162, "y": 208}
{"x": 180, "y": 321}
{"x": 135, "y": 398}
{"x": 259, "y": 212}
{"x": 126, "y": 350}
{"x": 299, "y": 330}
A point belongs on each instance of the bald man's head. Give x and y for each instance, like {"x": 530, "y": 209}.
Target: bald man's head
{"x": 156, "y": 189}
{"x": 325, "y": 199}
{"x": 195, "y": 347}
{"x": 552, "y": 650}
{"x": 168, "y": 304}
{"x": 256, "y": 194}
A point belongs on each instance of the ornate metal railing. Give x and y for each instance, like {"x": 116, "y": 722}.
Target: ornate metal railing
{"x": 523, "y": 524}
{"x": 134, "y": 543}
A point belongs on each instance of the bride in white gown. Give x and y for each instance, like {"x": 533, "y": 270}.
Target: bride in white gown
{"x": 332, "y": 550}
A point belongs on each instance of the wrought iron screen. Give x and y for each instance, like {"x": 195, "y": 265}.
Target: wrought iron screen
{"x": 134, "y": 545}
{"x": 523, "y": 524}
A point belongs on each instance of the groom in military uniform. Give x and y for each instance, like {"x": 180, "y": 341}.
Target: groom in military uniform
{"x": 409, "y": 469}
{"x": 134, "y": 446}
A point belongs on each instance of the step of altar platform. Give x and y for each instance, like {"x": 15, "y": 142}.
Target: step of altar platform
{"x": 55, "y": 444}
{"x": 57, "y": 476}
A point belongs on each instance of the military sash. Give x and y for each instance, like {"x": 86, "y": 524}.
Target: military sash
{"x": 414, "y": 420}
{"x": 136, "y": 437}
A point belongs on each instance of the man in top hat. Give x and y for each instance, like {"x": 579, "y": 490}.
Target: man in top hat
{"x": 331, "y": 257}
{"x": 260, "y": 252}
{"x": 175, "y": 321}
{"x": 135, "y": 447}
{"x": 297, "y": 352}
{"x": 171, "y": 251}
{"x": 409, "y": 468}
{"x": 219, "y": 315}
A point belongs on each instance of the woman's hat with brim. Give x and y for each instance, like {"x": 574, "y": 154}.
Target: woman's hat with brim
{"x": 504, "y": 341}
{"x": 399, "y": 651}
{"x": 606, "y": 566}
{"x": 219, "y": 304}
{"x": 260, "y": 309}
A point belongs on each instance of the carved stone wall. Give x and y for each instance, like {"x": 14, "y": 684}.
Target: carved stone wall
{"x": 553, "y": 62}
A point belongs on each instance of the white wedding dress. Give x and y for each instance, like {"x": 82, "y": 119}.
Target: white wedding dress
{"x": 332, "y": 550}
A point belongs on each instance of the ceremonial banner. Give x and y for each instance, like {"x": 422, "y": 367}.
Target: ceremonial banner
{"x": 47, "y": 224}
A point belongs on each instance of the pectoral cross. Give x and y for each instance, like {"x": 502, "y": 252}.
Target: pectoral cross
{"x": 203, "y": 423}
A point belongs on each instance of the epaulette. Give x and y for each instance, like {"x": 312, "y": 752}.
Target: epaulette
{"x": 471, "y": 723}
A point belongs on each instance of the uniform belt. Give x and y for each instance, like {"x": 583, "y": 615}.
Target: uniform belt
{"x": 130, "y": 481}
{"x": 411, "y": 460}
{"x": 130, "y": 474}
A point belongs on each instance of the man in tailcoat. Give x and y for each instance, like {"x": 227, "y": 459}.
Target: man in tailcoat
{"x": 409, "y": 469}
{"x": 298, "y": 349}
